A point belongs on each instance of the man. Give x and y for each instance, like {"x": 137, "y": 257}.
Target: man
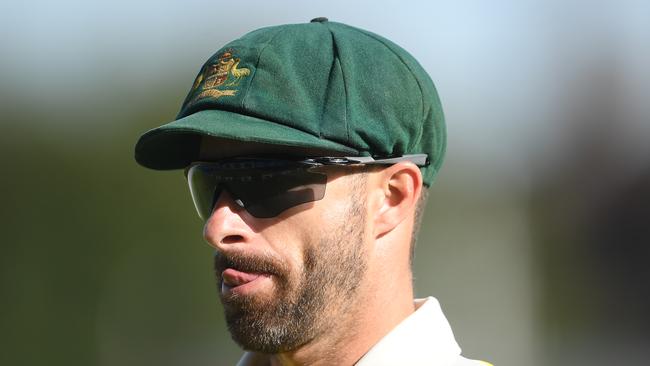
{"x": 308, "y": 149}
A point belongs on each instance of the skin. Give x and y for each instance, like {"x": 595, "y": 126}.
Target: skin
{"x": 384, "y": 295}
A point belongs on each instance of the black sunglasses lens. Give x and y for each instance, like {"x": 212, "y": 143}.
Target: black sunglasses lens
{"x": 271, "y": 196}
{"x": 263, "y": 193}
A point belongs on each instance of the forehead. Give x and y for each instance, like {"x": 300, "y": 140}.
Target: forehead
{"x": 214, "y": 148}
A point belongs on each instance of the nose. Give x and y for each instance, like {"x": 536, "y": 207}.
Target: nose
{"x": 225, "y": 226}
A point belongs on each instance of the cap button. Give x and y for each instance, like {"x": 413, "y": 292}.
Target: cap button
{"x": 319, "y": 20}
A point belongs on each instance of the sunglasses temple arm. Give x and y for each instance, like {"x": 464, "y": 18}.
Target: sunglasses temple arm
{"x": 417, "y": 159}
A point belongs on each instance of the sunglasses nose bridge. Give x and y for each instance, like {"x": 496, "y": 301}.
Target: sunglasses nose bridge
{"x": 224, "y": 197}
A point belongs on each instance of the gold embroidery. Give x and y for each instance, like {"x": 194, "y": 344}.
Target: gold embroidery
{"x": 215, "y": 93}
{"x": 224, "y": 72}
{"x": 198, "y": 80}
{"x": 238, "y": 73}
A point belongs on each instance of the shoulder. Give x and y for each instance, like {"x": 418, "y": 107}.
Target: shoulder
{"x": 462, "y": 361}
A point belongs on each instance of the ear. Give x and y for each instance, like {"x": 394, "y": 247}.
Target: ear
{"x": 400, "y": 186}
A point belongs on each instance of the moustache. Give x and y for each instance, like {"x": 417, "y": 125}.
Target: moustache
{"x": 259, "y": 263}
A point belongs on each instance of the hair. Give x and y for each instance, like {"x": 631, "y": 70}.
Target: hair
{"x": 417, "y": 220}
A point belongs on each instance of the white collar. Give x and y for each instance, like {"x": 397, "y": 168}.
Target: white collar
{"x": 424, "y": 338}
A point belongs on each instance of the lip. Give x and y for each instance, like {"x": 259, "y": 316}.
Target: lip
{"x": 234, "y": 281}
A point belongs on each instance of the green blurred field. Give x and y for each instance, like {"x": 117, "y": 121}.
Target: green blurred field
{"x": 534, "y": 241}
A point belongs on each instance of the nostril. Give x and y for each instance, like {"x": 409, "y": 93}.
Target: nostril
{"x": 232, "y": 239}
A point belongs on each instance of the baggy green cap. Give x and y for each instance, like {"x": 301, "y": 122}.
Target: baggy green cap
{"x": 320, "y": 85}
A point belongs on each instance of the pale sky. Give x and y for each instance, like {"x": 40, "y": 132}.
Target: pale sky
{"x": 500, "y": 67}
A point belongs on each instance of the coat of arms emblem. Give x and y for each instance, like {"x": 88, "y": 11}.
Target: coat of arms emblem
{"x": 222, "y": 73}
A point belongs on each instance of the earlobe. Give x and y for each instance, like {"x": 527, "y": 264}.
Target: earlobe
{"x": 401, "y": 186}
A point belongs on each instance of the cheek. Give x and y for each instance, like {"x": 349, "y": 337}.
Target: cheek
{"x": 288, "y": 240}
{"x": 295, "y": 235}
{"x": 303, "y": 235}
{"x": 335, "y": 208}
{"x": 335, "y": 213}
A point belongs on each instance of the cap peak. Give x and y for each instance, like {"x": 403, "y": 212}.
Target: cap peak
{"x": 319, "y": 20}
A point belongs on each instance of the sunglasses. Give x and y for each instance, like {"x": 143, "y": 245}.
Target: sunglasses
{"x": 265, "y": 187}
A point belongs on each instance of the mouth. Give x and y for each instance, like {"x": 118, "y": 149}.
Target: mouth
{"x": 242, "y": 283}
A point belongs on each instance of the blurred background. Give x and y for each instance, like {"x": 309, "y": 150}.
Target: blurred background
{"x": 536, "y": 239}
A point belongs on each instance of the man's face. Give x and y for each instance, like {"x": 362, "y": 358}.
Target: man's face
{"x": 285, "y": 280}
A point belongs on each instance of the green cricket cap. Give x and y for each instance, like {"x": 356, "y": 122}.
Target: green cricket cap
{"x": 321, "y": 85}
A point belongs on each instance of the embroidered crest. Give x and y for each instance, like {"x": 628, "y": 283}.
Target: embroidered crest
{"x": 219, "y": 75}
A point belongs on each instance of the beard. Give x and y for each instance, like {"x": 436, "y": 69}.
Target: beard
{"x": 304, "y": 304}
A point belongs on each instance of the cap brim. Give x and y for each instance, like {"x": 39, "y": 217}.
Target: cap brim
{"x": 177, "y": 144}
